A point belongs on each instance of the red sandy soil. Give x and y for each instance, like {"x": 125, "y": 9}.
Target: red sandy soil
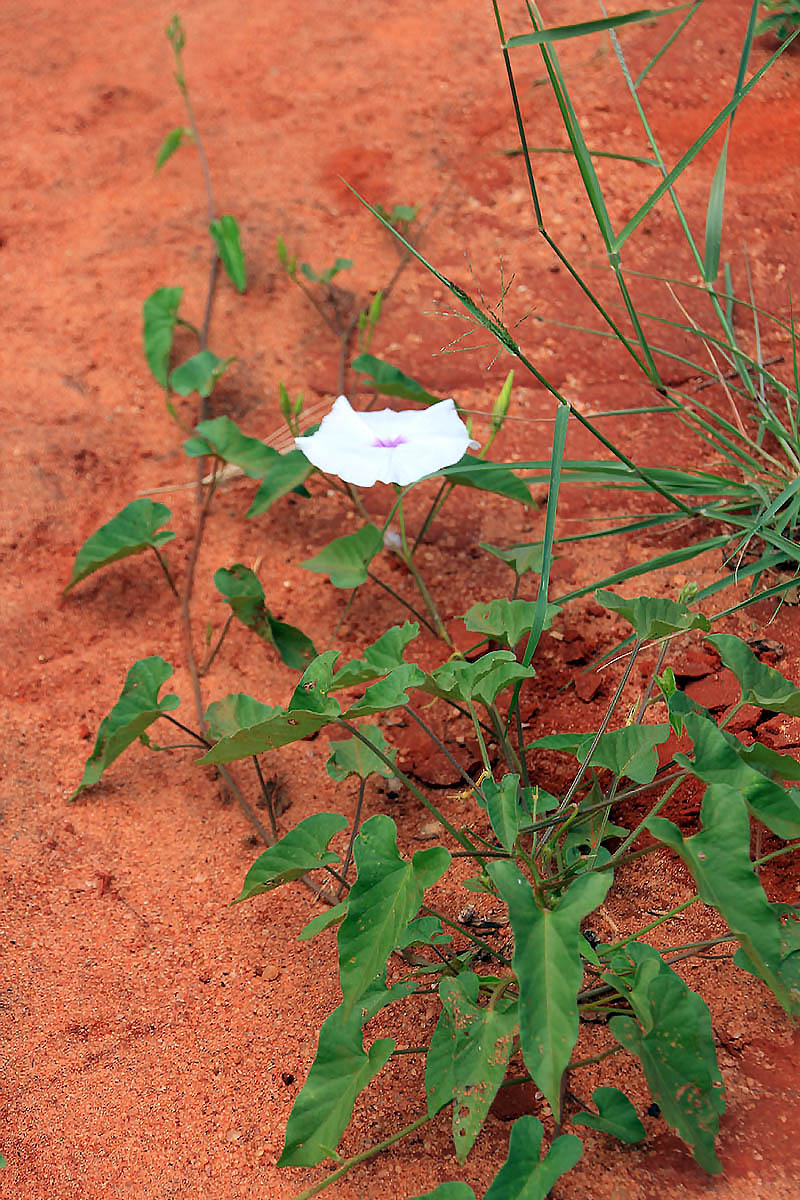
{"x": 155, "y": 1038}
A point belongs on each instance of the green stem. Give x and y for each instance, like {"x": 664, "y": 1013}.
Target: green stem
{"x": 509, "y": 752}
{"x": 759, "y": 862}
{"x": 433, "y": 512}
{"x": 355, "y": 496}
{"x": 451, "y": 758}
{"x": 362, "y": 1157}
{"x": 673, "y": 912}
{"x": 356, "y": 822}
{"x": 265, "y": 792}
{"x": 162, "y": 562}
{"x": 526, "y": 779}
{"x": 343, "y": 617}
{"x": 631, "y": 838}
{"x": 487, "y": 766}
{"x": 596, "y": 1058}
{"x": 603, "y": 726}
{"x": 414, "y": 611}
{"x": 415, "y": 791}
{"x": 174, "y": 721}
{"x": 729, "y": 716}
{"x": 408, "y": 559}
{"x": 206, "y": 664}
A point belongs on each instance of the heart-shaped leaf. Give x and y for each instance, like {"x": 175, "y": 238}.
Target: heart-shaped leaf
{"x": 526, "y": 1176}
{"x": 159, "y": 315}
{"x": 468, "y": 1056}
{"x": 234, "y": 712}
{"x": 390, "y": 381}
{"x": 385, "y": 897}
{"x": 137, "y": 708}
{"x": 303, "y": 849}
{"x": 761, "y": 685}
{"x": 352, "y": 757}
{"x": 719, "y": 860}
{"x": 131, "y": 531}
{"x": 378, "y": 659}
{"x": 498, "y": 478}
{"x": 242, "y": 589}
{"x": 615, "y": 1115}
{"x": 199, "y": 373}
{"x": 671, "y": 1036}
{"x": 650, "y": 617}
{"x": 506, "y": 620}
{"x": 223, "y": 438}
{"x": 345, "y": 559}
{"x": 481, "y": 680}
{"x": 547, "y": 963}
{"x": 524, "y": 557}
{"x": 287, "y": 473}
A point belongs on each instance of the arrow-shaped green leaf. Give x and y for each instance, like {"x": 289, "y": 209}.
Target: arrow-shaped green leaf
{"x": 302, "y": 849}
{"x": 526, "y": 1176}
{"x": 671, "y": 1036}
{"x": 719, "y": 860}
{"x": 548, "y": 967}
{"x": 131, "y": 531}
{"x": 137, "y": 708}
{"x": 385, "y": 897}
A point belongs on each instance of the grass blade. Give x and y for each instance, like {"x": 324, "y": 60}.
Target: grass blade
{"x": 716, "y": 198}
{"x": 696, "y": 147}
{"x": 558, "y": 33}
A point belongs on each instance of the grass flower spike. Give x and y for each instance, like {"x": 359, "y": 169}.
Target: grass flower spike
{"x": 365, "y": 448}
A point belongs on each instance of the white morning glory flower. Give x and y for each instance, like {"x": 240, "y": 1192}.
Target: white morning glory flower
{"x": 387, "y": 447}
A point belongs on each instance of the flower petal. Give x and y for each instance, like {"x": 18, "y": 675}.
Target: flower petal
{"x": 393, "y": 447}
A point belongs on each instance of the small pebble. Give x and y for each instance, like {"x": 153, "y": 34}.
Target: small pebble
{"x": 271, "y": 972}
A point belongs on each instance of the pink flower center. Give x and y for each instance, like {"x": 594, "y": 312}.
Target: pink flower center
{"x": 390, "y": 443}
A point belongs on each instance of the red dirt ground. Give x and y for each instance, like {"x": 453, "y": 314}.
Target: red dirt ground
{"x": 154, "y": 1037}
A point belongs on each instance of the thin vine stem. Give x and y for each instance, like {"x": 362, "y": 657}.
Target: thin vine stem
{"x": 362, "y": 783}
{"x": 412, "y": 787}
{"x": 596, "y": 741}
{"x": 414, "y": 611}
{"x": 162, "y": 562}
{"x": 470, "y": 782}
{"x": 349, "y": 1163}
{"x": 267, "y": 794}
{"x": 205, "y": 666}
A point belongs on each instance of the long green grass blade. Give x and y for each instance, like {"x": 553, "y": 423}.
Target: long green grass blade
{"x": 696, "y": 147}
{"x": 540, "y": 615}
{"x": 724, "y": 346}
{"x": 764, "y": 563}
{"x": 776, "y": 590}
{"x": 575, "y": 134}
{"x": 592, "y": 186}
{"x": 660, "y": 562}
{"x": 652, "y": 521}
{"x": 638, "y": 159}
{"x": 499, "y": 331}
{"x": 716, "y": 198}
{"x": 687, "y": 483}
{"x": 558, "y": 33}
{"x": 716, "y": 203}
{"x": 676, "y": 33}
